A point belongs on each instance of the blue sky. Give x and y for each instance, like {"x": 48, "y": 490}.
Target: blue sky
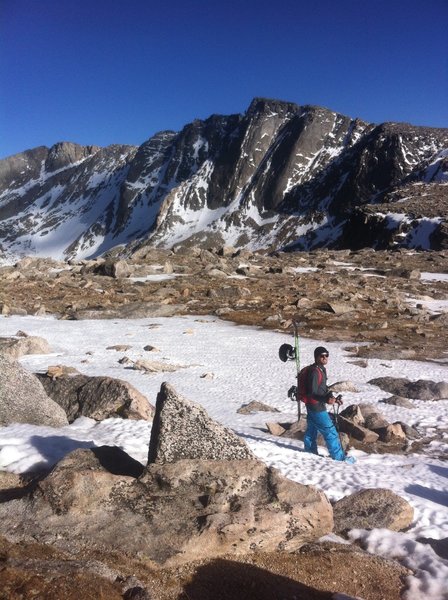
{"x": 117, "y": 71}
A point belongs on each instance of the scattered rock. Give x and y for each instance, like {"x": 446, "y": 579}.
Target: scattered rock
{"x": 115, "y": 268}
{"x": 372, "y": 509}
{"x": 398, "y": 401}
{"x": 168, "y": 268}
{"x": 338, "y": 308}
{"x": 154, "y": 366}
{"x": 367, "y": 409}
{"x": 391, "y": 433}
{"x": 208, "y": 376}
{"x": 296, "y": 430}
{"x": 226, "y": 251}
{"x": 255, "y": 406}
{"x": 134, "y": 310}
{"x": 217, "y": 273}
{"x": 359, "y": 363}
{"x": 344, "y": 386}
{"x": 410, "y": 432}
{"x": 55, "y": 371}
{"x": 120, "y": 347}
{"x": 353, "y": 413}
{"x": 13, "y": 310}
{"x": 375, "y": 421}
{"x": 17, "y": 347}
{"x": 357, "y": 431}
{"x": 275, "y": 428}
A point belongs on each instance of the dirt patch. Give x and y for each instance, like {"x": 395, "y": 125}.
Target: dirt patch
{"x": 315, "y": 573}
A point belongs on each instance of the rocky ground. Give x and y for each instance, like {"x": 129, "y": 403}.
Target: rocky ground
{"x": 361, "y": 297}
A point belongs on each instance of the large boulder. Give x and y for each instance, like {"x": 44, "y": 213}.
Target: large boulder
{"x": 115, "y": 268}
{"x": 182, "y": 429}
{"x": 96, "y": 397}
{"x": 23, "y": 398}
{"x": 422, "y": 389}
{"x": 372, "y": 509}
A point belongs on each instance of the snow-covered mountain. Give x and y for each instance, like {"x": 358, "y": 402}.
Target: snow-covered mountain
{"x": 281, "y": 175}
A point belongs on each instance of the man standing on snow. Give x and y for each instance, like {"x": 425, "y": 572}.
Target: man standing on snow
{"x": 317, "y": 396}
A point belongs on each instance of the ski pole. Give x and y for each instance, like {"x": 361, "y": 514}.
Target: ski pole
{"x": 297, "y": 357}
{"x": 336, "y": 406}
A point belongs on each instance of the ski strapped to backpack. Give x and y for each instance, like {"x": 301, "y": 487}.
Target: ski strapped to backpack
{"x": 297, "y": 357}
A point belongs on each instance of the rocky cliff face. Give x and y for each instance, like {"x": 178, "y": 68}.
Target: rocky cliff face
{"x": 279, "y": 176}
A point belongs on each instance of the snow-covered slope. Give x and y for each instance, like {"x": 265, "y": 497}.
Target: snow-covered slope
{"x": 279, "y": 175}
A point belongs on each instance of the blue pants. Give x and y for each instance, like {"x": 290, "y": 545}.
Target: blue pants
{"x": 320, "y": 422}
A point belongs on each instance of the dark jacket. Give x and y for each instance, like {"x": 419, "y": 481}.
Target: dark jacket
{"x": 316, "y": 389}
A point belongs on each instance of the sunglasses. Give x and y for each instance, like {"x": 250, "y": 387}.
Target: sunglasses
{"x": 324, "y": 355}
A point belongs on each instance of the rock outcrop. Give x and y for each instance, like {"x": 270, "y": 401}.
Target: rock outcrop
{"x": 183, "y": 430}
{"x": 177, "y": 509}
{"x": 23, "y": 398}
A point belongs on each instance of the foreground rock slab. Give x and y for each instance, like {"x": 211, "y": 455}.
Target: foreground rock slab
{"x": 173, "y": 513}
{"x": 213, "y": 507}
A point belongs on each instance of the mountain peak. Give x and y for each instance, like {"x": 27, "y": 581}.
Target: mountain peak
{"x": 263, "y": 105}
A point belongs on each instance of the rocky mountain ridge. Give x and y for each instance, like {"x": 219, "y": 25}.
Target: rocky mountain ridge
{"x": 279, "y": 176}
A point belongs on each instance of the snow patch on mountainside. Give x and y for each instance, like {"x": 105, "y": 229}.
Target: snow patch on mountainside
{"x": 437, "y": 170}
